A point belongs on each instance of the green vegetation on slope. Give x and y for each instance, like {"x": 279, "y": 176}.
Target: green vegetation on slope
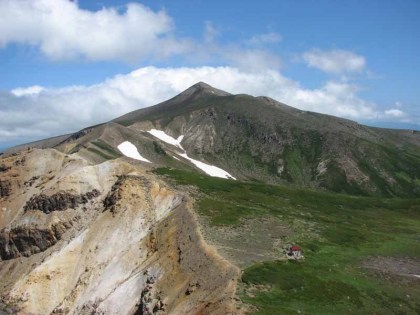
{"x": 108, "y": 149}
{"x": 99, "y": 148}
{"x": 349, "y": 231}
{"x": 302, "y": 158}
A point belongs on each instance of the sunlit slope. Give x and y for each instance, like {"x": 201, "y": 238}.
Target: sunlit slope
{"x": 361, "y": 254}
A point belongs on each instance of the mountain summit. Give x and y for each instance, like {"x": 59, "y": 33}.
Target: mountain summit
{"x": 197, "y": 91}
{"x": 201, "y": 88}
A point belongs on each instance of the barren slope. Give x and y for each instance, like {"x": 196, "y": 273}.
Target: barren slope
{"x": 109, "y": 238}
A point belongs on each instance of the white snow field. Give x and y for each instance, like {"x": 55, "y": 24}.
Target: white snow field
{"x": 206, "y": 168}
{"x": 209, "y": 169}
{"x": 130, "y": 150}
{"x": 166, "y": 138}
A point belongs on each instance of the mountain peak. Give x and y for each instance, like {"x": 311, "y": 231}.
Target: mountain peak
{"x": 202, "y": 88}
{"x": 203, "y": 85}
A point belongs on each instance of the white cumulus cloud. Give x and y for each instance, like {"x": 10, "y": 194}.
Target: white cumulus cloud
{"x": 335, "y": 61}
{"x": 62, "y": 30}
{"x": 30, "y": 90}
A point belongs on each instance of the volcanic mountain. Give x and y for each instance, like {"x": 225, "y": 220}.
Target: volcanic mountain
{"x": 260, "y": 139}
{"x": 160, "y": 211}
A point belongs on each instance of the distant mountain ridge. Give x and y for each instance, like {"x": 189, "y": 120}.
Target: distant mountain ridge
{"x": 260, "y": 139}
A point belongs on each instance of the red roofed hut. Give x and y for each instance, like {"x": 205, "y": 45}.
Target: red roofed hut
{"x": 295, "y": 251}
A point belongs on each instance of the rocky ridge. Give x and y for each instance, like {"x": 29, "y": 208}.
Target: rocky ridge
{"x": 126, "y": 243}
{"x": 5, "y": 188}
{"x": 59, "y": 201}
{"x": 28, "y": 240}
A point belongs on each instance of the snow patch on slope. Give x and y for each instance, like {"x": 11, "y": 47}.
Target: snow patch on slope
{"x": 130, "y": 150}
{"x": 162, "y": 135}
{"x": 206, "y": 168}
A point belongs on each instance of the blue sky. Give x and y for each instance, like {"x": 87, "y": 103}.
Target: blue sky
{"x": 355, "y": 59}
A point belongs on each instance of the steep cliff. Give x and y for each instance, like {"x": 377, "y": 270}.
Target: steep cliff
{"x": 110, "y": 238}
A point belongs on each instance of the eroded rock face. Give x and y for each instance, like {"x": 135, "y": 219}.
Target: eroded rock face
{"x": 151, "y": 301}
{"x": 115, "y": 194}
{"x": 60, "y": 201}
{"x": 4, "y": 168}
{"x": 26, "y": 241}
{"x": 5, "y": 188}
{"x": 143, "y": 255}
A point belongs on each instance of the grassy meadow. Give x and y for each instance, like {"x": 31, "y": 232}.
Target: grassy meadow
{"x": 340, "y": 235}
